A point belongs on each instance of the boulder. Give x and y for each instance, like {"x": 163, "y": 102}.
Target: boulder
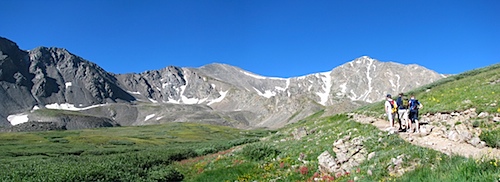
{"x": 326, "y": 163}
{"x": 496, "y": 119}
{"x": 483, "y": 115}
{"x": 474, "y": 141}
{"x": 453, "y": 136}
{"x": 371, "y": 155}
{"x": 481, "y": 145}
{"x": 299, "y": 133}
{"x": 349, "y": 154}
{"x": 463, "y": 131}
{"x": 426, "y": 130}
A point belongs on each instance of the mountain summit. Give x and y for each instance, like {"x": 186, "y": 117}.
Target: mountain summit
{"x": 34, "y": 83}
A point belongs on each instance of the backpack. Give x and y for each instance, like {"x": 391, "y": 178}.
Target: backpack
{"x": 393, "y": 106}
{"x": 414, "y": 105}
{"x": 406, "y": 103}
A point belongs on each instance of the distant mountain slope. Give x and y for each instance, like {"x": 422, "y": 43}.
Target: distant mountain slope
{"x": 54, "y": 78}
{"x": 477, "y": 89}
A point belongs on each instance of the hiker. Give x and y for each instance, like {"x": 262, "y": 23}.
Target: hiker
{"x": 403, "y": 104}
{"x": 390, "y": 109}
{"x": 415, "y": 105}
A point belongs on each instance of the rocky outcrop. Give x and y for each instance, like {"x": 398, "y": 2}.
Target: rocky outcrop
{"x": 461, "y": 126}
{"x": 299, "y": 133}
{"x": 349, "y": 153}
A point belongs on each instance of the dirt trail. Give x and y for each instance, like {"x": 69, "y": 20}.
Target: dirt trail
{"x": 433, "y": 141}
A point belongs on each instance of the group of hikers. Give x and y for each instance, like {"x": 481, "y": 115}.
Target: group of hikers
{"x": 405, "y": 110}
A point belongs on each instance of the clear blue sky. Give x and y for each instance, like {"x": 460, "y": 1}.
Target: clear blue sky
{"x": 271, "y": 38}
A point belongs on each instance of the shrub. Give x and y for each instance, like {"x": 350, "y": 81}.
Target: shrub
{"x": 121, "y": 142}
{"x": 476, "y": 124}
{"x": 491, "y": 137}
{"x": 260, "y": 151}
{"x": 205, "y": 150}
{"x": 165, "y": 174}
{"x": 59, "y": 140}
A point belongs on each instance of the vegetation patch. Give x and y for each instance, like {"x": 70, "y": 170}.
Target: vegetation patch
{"x": 260, "y": 151}
{"x": 113, "y": 154}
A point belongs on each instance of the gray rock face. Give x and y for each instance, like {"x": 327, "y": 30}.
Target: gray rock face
{"x": 61, "y": 77}
{"x": 349, "y": 154}
{"x": 215, "y": 93}
{"x": 46, "y": 76}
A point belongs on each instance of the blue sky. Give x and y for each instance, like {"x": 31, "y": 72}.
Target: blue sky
{"x": 271, "y": 38}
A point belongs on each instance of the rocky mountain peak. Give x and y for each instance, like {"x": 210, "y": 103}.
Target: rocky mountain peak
{"x": 215, "y": 93}
{"x": 7, "y": 46}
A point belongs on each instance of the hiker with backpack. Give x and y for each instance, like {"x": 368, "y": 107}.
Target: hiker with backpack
{"x": 403, "y": 104}
{"x": 391, "y": 109}
{"x": 415, "y": 105}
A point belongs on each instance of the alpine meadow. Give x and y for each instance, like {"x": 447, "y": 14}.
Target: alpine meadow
{"x": 351, "y": 145}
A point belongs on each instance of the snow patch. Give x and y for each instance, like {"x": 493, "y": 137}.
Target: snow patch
{"x": 392, "y": 83}
{"x": 260, "y": 77}
{"x": 370, "y": 88}
{"x": 266, "y": 94}
{"x": 68, "y": 84}
{"x": 186, "y": 100}
{"x": 136, "y": 93}
{"x": 327, "y": 85}
{"x": 354, "y": 95}
{"x": 158, "y": 118}
{"x": 70, "y": 107}
{"x": 16, "y": 119}
{"x": 149, "y": 117}
{"x": 152, "y": 100}
{"x": 343, "y": 87}
{"x": 397, "y": 82}
{"x": 173, "y": 101}
{"x": 219, "y": 99}
{"x": 280, "y": 88}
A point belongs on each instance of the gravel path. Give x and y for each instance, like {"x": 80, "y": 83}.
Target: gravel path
{"x": 434, "y": 141}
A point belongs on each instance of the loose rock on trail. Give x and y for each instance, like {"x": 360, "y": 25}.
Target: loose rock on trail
{"x": 432, "y": 137}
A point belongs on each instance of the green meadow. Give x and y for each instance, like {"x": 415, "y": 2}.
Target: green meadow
{"x": 199, "y": 152}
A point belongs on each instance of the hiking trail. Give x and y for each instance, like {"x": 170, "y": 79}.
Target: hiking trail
{"x": 432, "y": 139}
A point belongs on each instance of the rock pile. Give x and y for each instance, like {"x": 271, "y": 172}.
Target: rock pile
{"x": 396, "y": 167}
{"x": 460, "y": 126}
{"x": 349, "y": 154}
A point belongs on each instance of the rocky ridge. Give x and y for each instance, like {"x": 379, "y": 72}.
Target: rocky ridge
{"x": 54, "y": 78}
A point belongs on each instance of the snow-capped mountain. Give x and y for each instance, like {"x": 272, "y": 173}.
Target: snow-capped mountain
{"x": 216, "y": 93}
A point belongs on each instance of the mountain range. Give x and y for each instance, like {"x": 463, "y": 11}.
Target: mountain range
{"x": 51, "y": 87}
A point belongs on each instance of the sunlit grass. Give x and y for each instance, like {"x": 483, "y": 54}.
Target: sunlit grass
{"x": 286, "y": 166}
{"x": 141, "y": 153}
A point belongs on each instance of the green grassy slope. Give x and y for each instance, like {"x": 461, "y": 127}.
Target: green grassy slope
{"x": 141, "y": 153}
{"x": 276, "y": 157}
{"x": 479, "y": 88}
{"x": 196, "y": 152}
